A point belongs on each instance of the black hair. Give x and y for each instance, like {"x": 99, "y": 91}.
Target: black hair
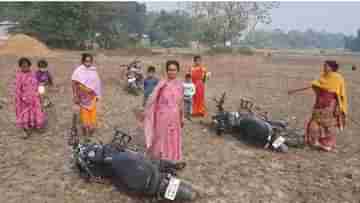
{"x": 187, "y": 75}
{"x": 86, "y": 55}
{"x": 196, "y": 58}
{"x": 172, "y": 62}
{"x": 23, "y": 60}
{"x": 151, "y": 69}
{"x": 42, "y": 63}
{"x": 353, "y": 68}
{"x": 332, "y": 64}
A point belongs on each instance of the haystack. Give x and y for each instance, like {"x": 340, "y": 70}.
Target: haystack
{"x": 23, "y": 45}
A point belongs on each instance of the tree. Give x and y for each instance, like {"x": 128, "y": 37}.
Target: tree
{"x": 71, "y": 24}
{"x": 171, "y": 29}
{"x": 220, "y": 22}
{"x": 353, "y": 43}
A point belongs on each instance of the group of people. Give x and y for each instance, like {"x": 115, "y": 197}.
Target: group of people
{"x": 168, "y": 101}
{"x": 28, "y": 100}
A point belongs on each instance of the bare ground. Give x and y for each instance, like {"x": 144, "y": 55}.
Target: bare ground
{"x": 37, "y": 169}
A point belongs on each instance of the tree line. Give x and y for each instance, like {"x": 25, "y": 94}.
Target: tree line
{"x": 294, "y": 39}
{"x": 126, "y": 24}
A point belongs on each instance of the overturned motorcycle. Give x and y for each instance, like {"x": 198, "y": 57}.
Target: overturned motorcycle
{"x": 125, "y": 166}
{"x": 256, "y": 129}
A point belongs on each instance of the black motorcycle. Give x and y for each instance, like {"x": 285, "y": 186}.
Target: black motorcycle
{"x": 254, "y": 128}
{"x": 128, "y": 168}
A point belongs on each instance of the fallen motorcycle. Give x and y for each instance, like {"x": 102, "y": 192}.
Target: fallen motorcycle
{"x": 134, "y": 77}
{"x": 256, "y": 129}
{"x": 127, "y": 167}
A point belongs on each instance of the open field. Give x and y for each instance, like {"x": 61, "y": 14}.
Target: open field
{"x": 37, "y": 170}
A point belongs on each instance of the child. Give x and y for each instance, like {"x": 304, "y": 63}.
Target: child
{"x": 189, "y": 92}
{"x": 150, "y": 83}
{"x": 44, "y": 79}
{"x": 43, "y": 75}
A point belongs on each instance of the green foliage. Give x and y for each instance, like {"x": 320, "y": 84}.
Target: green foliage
{"x": 294, "y": 39}
{"x": 227, "y": 50}
{"x": 73, "y": 24}
{"x": 222, "y": 22}
{"x": 170, "y": 29}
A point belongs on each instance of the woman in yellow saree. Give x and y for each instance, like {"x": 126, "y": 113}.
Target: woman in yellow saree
{"x": 330, "y": 109}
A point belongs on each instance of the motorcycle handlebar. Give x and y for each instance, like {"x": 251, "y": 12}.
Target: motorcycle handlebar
{"x": 122, "y": 136}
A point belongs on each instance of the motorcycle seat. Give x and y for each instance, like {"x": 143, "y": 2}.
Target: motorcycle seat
{"x": 278, "y": 123}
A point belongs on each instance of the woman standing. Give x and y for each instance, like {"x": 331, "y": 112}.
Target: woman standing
{"x": 164, "y": 117}
{"x": 330, "y": 109}
{"x": 86, "y": 92}
{"x": 29, "y": 114}
{"x": 198, "y": 74}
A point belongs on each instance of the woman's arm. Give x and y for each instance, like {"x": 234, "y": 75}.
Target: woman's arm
{"x": 76, "y": 99}
{"x": 299, "y": 90}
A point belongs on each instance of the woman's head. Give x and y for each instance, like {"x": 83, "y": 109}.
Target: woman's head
{"x": 42, "y": 64}
{"x": 330, "y": 66}
{"x": 87, "y": 59}
{"x": 24, "y": 64}
{"x": 172, "y": 68}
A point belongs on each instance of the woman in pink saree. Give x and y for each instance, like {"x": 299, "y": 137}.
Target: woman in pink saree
{"x": 163, "y": 118}
{"x": 29, "y": 114}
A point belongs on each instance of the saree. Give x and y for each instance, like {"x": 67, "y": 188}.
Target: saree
{"x": 29, "y": 113}
{"x": 328, "y": 116}
{"x": 198, "y": 106}
{"x": 88, "y": 91}
{"x": 162, "y": 121}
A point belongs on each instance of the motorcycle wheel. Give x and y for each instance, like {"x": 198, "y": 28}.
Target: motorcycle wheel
{"x": 283, "y": 148}
{"x": 185, "y": 192}
{"x": 219, "y": 132}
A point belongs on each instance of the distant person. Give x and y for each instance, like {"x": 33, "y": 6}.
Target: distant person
{"x": 163, "y": 117}
{"x": 199, "y": 76}
{"x": 150, "y": 83}
{"x": 29, "y": 114}
{"x": 45, "y": 80}
{"x": 86, "y": 86}
{"x": 330, "y": 109}
{"x": 189, "y": 92}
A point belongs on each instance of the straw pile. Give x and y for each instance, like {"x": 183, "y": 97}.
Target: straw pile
{"x": 23, "y": 45}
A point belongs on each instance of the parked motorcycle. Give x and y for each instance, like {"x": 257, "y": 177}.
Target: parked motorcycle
{"x": 255, "y": 128}
{"x": 127, "y": 167}
{"x": 134, "y": 77}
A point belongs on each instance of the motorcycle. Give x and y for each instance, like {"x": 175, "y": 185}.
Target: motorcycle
{"x": 126, "y": 166}
{"x": 134, "y": 77}
{"x": 255, "y": 128}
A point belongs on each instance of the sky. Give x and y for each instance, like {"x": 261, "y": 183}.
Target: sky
{"x": 335, "y": 17}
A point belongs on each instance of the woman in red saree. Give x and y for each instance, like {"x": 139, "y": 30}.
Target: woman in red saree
{"x": 163, "y": 117}
{"x": 198, "y": 74}
{"x": 330, "y": 109}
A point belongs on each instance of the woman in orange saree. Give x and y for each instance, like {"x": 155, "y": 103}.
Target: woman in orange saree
{"x": 198, "y": 74}
{"x": 330, "y": 109}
